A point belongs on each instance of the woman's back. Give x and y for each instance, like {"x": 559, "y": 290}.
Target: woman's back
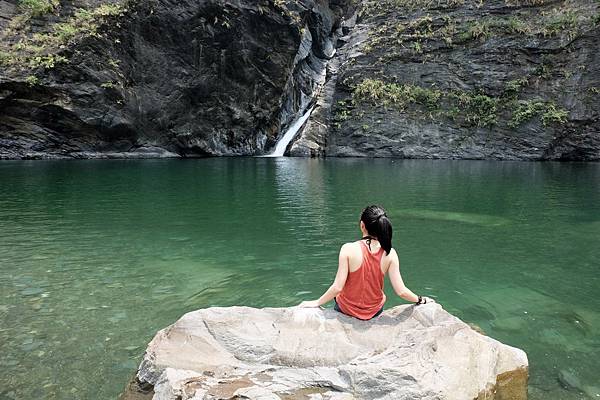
{"x": 358, "y": 284}
{"x": 362, "y": 295}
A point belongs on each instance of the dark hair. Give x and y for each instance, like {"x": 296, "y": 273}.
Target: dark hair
{"x": 378, "y": 225}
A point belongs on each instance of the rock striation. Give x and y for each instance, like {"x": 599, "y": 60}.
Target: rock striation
{"x": 290, "y": 353}
{"x": 158, "y": 78}
{"x": 458, "y": 79}
{"x": 468, "y": 79}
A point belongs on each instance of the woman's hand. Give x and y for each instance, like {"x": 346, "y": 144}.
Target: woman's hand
{"x": 309, "y": 304}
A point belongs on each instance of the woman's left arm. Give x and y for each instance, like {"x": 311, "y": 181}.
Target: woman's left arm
{"x": 338, "y": 283}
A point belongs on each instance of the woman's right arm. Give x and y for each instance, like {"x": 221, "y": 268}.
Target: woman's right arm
{"x": 397, "y": 282}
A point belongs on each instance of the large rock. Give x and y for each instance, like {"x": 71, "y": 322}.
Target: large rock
{"x": 290, "y": 353}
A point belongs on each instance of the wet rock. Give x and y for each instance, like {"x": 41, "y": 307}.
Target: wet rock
{"x": 569, "y": 380}
{"x": 511, "y": 324}
{"x": 407, "y": 353}
{"x": 32, "y": 291}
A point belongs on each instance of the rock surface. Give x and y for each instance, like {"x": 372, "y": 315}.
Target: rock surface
{"x": 461, "y": 79}
{"x": 469, "y": 79}
{"x": 158, "y": 78}
{"x": 407, "y": 353}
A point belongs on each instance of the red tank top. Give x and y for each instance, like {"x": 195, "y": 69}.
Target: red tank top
{"x": 362, "y": 295}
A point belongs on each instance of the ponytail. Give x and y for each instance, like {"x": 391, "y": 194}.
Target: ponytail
{"x": 378, "y": 225}
{"x": 384, "y": 234}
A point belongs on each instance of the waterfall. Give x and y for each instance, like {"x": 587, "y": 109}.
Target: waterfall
{"x": 283, "y": 143}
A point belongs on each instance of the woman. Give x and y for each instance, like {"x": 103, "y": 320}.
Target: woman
{"x": 358, "y": 286}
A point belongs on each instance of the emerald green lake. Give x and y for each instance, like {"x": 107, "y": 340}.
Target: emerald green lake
{"x": 96, "y": 256}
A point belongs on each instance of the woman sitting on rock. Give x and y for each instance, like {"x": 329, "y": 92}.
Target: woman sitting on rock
{"x": 358, "y": 286}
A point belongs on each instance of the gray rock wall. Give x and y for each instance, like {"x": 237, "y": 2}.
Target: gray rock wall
{"x": 498, "y": 79}
{"x": 158, "y": 77}
{"x": 511, "y": 80}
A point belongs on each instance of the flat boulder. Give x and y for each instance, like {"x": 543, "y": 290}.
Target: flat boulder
{"x": 408, "y": 352}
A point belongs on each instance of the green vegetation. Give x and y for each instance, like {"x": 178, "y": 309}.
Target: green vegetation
{"x": 47, "y": 62}
{"x": 39, "y": 49}
{"x": 548, "y": 111}
{"x": 83, "y": 23}
{"x": 560, "y": 23}
{"x": 476, "y": 30}
{"x": 544, "y": 70}
{"x": 527, "y": 2}
{"x": 32, "y": 80}
{"x": 513, "y": 87}
{"x": 474, "y": 108}
{"x": 555, "y": 24}
{"x": 38, "y": 7}
{"x": 4, "y": 57}
{"x": 282, "y": 6}
{"x": 376, "y": 7}
{"x": 478, "y": 109}
{"x": 379, "y": 92}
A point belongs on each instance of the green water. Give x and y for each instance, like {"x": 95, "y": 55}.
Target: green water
{"x": 96, "y": 256}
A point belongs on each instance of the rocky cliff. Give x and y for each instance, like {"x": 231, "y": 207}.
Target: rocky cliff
{"x": 483, "y": 79}
{"x": 157, "y": 77}
{"x": 407, "y": 353}
{"x": 493, "y": 79}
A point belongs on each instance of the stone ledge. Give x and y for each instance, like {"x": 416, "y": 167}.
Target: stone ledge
{"x": 291, "y": 353}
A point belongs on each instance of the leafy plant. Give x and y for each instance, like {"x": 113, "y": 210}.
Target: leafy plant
{"x": 554, "y": 114}
{"x": 400, "y": 95}
{"x": 559, "y": 23}
{"x": 476, "y": 30}
{"x": 5, "y": 58}
{"x": 548, "y": 111}
{"x": 514, "y": 86}
{"x": 48, "y": 61}
{"x": 39, "y": 50}
{"x": 38, "y": 7}
{"x": 478, "y": 109}
{"x": 32, "y": 80}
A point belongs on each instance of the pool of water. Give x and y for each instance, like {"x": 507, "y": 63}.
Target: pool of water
{"x": 96, "y": 256}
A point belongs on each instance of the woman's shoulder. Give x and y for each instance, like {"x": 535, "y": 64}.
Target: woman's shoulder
{"x": 392, "y": 253}
{"x": 351, "y": 246}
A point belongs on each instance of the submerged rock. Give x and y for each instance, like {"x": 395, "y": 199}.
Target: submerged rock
{"x": 275, "y": 353}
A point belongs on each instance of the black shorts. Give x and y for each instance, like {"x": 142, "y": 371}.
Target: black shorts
{"x": 337, "y": 308}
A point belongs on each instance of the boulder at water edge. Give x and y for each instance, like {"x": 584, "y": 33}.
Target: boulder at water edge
{"x": 409, "y": 352}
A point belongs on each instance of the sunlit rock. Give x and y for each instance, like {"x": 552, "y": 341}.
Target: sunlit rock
{"x": 408, "y": 352}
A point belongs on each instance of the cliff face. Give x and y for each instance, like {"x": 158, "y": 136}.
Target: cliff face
{"x": 494, "y": 79}
{"x": 156, "y": 77}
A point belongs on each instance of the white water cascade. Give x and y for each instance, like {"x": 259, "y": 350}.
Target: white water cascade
{"x": 282, "y": 144}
